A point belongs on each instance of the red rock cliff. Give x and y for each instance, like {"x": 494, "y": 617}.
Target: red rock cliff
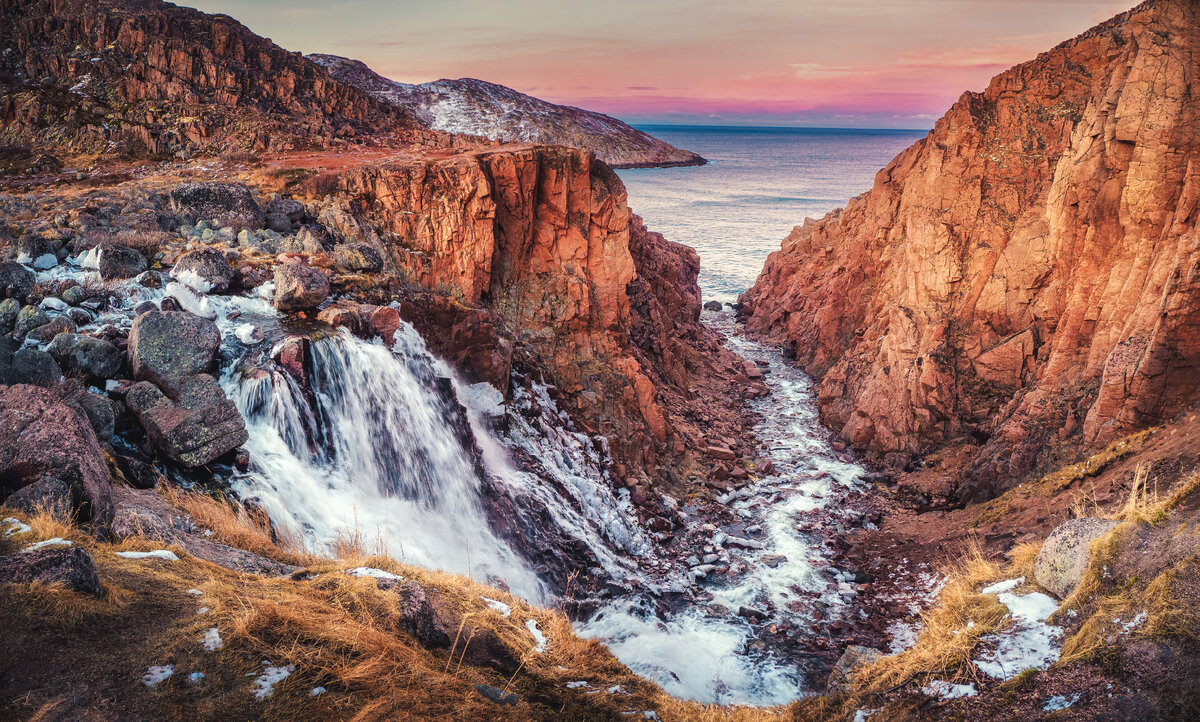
{"x": 1026, "y": 275}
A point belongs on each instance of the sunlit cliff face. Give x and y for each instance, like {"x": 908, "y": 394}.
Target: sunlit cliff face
{"x": 869, "y": 63}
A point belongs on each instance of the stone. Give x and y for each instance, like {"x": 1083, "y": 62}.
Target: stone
{"x": 48, "y": 494}
{"x": 205, "y": 270}
{"x": 94, "y": 358}
{"x": 231, "y": 204}
{"x": 279, "y": 223}
{"x": 196, "y": 425}
{"x": 16, "y": 281}
{"x": 34, "y": 367}
{"x": 358, "y": 257}
{"x": 293, "y": 210}
{"x": 47, "y": 331}
{"x": 305, "y": 241}
{"x": 71, "y": 567}
{"x": 713, "y": 306}
{"x": 499, "y": 696}
{"x": 99, "y": 412}
{"x": 1065, "y": 555}
{"x": 41, "y": 437}
{"x": 138, "y": 474}
{"x": 9, "y": 309}
{"x": 29, "y": 318}
{"x": 299, "y": 287}
{"x": 418, "y": 617}
{"x": 854, "y": 656}
{"x": 75, "y": 295}
{"x": 167, "y": 344}
{"x": 118, "y": 262}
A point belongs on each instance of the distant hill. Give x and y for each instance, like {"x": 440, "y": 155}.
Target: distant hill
{"x": 476, "y": 107}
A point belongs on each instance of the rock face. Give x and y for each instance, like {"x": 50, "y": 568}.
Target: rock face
{"x": 1065, "y": 554}
{"x": 149, "y": 77}
{"x": 475, "y": 107}
{"x": 43, "y": 439}
{"x": 1023, "y": 275}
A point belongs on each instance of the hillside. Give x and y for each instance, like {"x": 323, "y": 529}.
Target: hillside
{"x": 478, "y": 108}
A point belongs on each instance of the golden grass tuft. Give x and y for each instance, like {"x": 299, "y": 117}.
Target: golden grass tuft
{"x": 1055, "y": 482}
{"x": 239, "y": 526}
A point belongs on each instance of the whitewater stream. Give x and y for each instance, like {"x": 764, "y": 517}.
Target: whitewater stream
{"x": 386, "y": 445}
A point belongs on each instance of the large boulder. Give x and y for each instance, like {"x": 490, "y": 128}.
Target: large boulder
{"x": 117, "y": 262}
{"x": 194, "y": 427}
{"x": 168, "y": 344}
{"x": 1066, "y": 553}
{"x": 41, "y": 438}
{"x": 231, "y": 204}
{"x": 90, "y": 356}
{"x": 100, "y": 412}
{"x": 16, "y": 281}
{"x": 10, "y": 308}
{"x": 292, "y": 209}
{"x": 72, "y": 567}
{"x": 358, "y": 257}
{"x": 205, "y": 270}
{"x": 299, "y": 287}
{"x": 29, "y": 318}
{"x": 34, "y": 367}
{"x": 47, "y": 331}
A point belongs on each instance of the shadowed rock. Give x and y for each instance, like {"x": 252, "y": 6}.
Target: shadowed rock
{"x": 16, "y": 281}
{"x": 71, "y": 567}
{"x": 193, "y": 427}
{"x": 93, "y": 357}
{"x": 1065, "y": 555}
{"x": 120, "y": 262}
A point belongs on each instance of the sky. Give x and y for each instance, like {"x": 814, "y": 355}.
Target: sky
{"x": 827, "y": 63}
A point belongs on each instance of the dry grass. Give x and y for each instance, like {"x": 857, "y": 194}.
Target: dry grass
{"x": 148, "y": 243}
{"x": 1055, "y": 482}
{"x": 239, "y": 526}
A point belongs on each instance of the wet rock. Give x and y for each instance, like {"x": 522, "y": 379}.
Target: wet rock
{"x": 75, "y": 295}
{"x": 299, "y": 287}
{"x": 358, "y": 257}
{"x": 341, "y": 317}
{"x": 384, "y": 322}
{"x": 855, "y": 655}
{"x": 9, "y": 309}
{"x": 1065, "y": 554}
{"x": 99, "y": 412}
{"x": 29, "y": 318}
{"x": 205, "y": 270}
{"x": 71, "y": 567}
{"x": 41, "y": 437}
{"x": 47, "y": 331}
{"x": 118, "y": 262}
{"x": 231, "y": 204}
{"x": 16, "y": 281}
{"x": 195, "y": 426}
{"x": 34, "y": 367}
{"x": 713, "y": 306}
{"x": 291, "y": 356}
{"x": 499, "y": 696}
{"x": 163, "y": 345}
{"x": 93, "y": 357}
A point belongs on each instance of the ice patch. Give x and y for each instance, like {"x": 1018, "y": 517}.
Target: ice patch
{"x": 266, "y": 291}
{"x": 903, "y": 635}
{"x": 195, "y": 678}
{"x": 201, "y": 610}
{"x": 55, "y": 542}
{"x": 374, "y": 573}
{"x": 264, "y": 686}
{"x": 946, "y": 690}
{"x": 50, "y": 303}
{"x": 89, "y": 258}
{"x": 246, "y": 333}
{"x": 498, "y": 605}
{"x": 1005, "y": 586}
{"x": 1032, "y": 607}
{"x": 157, "y": 674}
{"x": 45, "y": 262}
{"x": 316, "y": 692}
{"x": 1060, "y": 702}
{"x": 190, "y": 301}
{"x": 1134, "y": 623}
{"x": 15, "y": 526}
{"x": 538, "y": 637}
{"x": 156, "y": 554}
{"x": 576, "y": 684}
{"x": 212, "y": 640}
{"x": 194, "y": 280}
{"x": 195, "y": 592}
{"x": 1029, "y": 644}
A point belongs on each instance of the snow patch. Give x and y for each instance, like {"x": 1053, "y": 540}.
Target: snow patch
{"x": 498, "y": 605}
{"x": 89, "y": 258}
{"x": 15, "y": 526}
{"x": 576, "y": 684}
{"x": 212, "y": 640}
{"x": 157, "y": 674}
{"x": 374, "y": 573}
{"x": 190, "y": 300}
{"x": 946, "y": 690}
{"x": 538, "y": 637}
{"x": 156, "y": 554}
{"x": 1005, "y": 586}
{"x": 193, "y": 280}
{"x": 316, "y": 692}
{"x": 1060, "y": 702}
{"x": 264, "y": 686}
{"x": 1029, "y": 644}
{"x": 55, "y": 542}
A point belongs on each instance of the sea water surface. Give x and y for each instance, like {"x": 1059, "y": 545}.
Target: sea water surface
{"x": 759, "y": 184}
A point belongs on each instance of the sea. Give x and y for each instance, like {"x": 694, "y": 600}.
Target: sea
{"x": 759, "y": 183}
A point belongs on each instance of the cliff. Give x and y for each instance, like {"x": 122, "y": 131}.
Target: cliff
{"x": 1023, "y": 277}
{"x": 478, "y": 108}
{"x": 140, "y": 76}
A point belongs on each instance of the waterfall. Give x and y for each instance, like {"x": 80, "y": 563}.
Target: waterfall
{"x": 374, "y": 451}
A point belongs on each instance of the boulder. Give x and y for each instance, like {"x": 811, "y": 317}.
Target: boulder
{"x": 34, "y": 367}
{"x": 713, "y": 306}
{"x": 29, "y": 318}
{"x": 205, "y": 270}
{"x": 138, "y": 474}
{"x": 305, "y": 241}
{"x": 1065, "y": 554}
{"x": 299, "y": 287}
{"x": 418, "y": 617}
{"x": 293, "y": 210}
{"x": 72, "y": 567}
{"x": 384, "y": 322}
{"x": 48, "y": 494}
{"x": 497, "y": 695}
{"x": 42, "y": 437}
{"x": 90, "y": 356}
{"x": 358, "y": 257}
{"x": 16, "y": 281}
{"x": 118, "y": 262}
{"x": 279, "y": 223}
{"x": 194, "y": 427}
{"x": 9, "y": 309}
{"x": 99, "y": 412}
{"x": 75, "y": 295}
{"x": 167, "y": 344}
{"x": 47, "y": 331}
{"x": 231, "y": 204}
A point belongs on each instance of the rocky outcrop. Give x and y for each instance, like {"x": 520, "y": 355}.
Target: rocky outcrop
{"x": 194, "y": 425}
{"x": 1021, "y": 277}
{"x": 149, "y": 77}
{"x": 478, "y": 108}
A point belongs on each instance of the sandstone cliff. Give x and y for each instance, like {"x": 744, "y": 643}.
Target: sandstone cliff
{"x": 1024, "y": 276}
{"x": 140, "y": 76}
{"x": 478, "y": 108}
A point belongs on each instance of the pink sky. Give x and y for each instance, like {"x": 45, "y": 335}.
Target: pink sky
{"x": 867, "y": 63}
